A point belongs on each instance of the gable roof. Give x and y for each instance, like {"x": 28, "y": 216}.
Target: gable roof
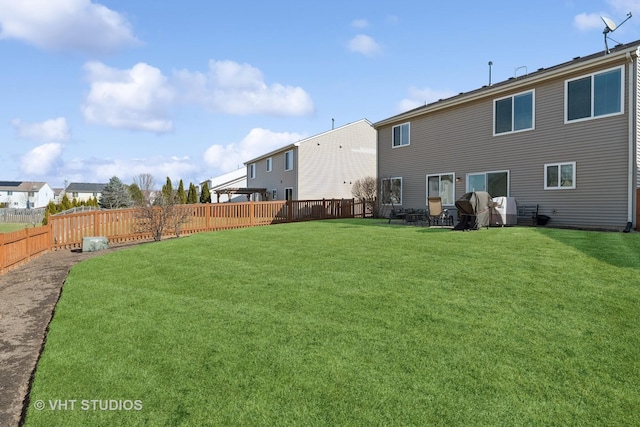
{"x": 83, "y": 187}
{"x": 21, "y": 185}
{"x": 542, "y": 74}
{"x": 306, "y": 140}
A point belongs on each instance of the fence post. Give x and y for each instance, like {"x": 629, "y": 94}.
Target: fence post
{"x": 2, "y": 253}
{"x": 289, "y": 210}
{"x": 251, "y": 203}
{"x": 96, "y": 226}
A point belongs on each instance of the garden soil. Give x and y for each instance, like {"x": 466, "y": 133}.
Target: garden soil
{"x": 28, "y": 296}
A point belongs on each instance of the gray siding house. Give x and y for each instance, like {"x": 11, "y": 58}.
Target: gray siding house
{"x": 564, "y": 138}
{"x": 83, "y": 191}
{"x": 323, "y": 166}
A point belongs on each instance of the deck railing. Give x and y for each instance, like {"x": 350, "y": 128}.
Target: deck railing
{"x": 124, "y": 225}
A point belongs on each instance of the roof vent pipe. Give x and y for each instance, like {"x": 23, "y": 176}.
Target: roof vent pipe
{"x": 490, "y": 64}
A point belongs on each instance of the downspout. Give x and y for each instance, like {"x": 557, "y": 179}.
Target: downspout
{"x": 631, "y": 131}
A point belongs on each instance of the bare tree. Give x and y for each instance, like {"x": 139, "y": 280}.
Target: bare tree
{"x": 146, "y": 184}
{"x": 159, "y": 213}
{"x": 366, "y": 189}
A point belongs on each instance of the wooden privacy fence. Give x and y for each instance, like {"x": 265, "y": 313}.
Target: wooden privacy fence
{"x": 21, "y": 216}
{"x": 125, "y": 225}
{"x": 20, "y": 246}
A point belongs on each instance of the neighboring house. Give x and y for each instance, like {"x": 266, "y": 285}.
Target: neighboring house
{"x": 230, "y": 180}
{"x": 322, "y": 166}
{"x": 564, "y": 138}
{"x": 25, "y": 194}
{"x": 82, "y": 191}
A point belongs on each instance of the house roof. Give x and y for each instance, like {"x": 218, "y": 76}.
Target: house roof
{"x": 21, "y": 185}
{"x": 542, "y": 74}
{"x": 227, "y": 179}
{"x": 83, "y": 187}
{"x": 303, "y": 141}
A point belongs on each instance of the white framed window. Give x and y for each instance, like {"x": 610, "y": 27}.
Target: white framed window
{"x": 9, "y": 193}
{"x": 391, "y": 191}
{"x": 288, "y": 193}
{"x": 401, "y": 135}
{"x": 269, "y": 164}
{"x": 442, "y": 185}
{"x": 599, "y": 94}
{"x": 514, "y": 113}
{"x": 560, "y": 176}
{"x": 288, "y": 160}
{"x": 274, "y": 194}
{"x": 496, "y": 183}
{"x": 252, "y": 171}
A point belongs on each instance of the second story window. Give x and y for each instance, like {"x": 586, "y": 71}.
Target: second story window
{"x": 595, "y": 95}
{"x": 252, "y": 171}
{"x": 401, "y": 135}
{"x": 514, "y": 113}
{"x": 288, "y": 160}
{"x": 269, "y": 164}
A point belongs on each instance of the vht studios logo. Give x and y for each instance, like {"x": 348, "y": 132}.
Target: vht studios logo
{"x": 88, "y": 405}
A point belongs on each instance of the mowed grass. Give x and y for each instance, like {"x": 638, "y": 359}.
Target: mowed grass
{"x": 8, "y": 228}
{"x": 351, "y": 322}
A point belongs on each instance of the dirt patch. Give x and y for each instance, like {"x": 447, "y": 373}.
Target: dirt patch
{"x": 28, "y": 295}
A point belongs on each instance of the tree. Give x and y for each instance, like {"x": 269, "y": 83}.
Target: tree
{"x": 366, "y": 189}
{"x": 192, "y": 196}
{"x": 167, "y": 191}
{"x": 65, "y": 204}
{"x": 181, "y": 196}
{"x": 205, "y": 197}
{"x": 146, "y": 184}
{"x": 136, "y": 195}
{"x": 115, "y": 195}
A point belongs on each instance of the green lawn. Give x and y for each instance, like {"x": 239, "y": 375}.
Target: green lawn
{"x": 8, "y": 228}
{"x": 354, "y": 323}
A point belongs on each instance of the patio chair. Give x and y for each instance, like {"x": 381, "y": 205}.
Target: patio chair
{"x": 435, "y": 211}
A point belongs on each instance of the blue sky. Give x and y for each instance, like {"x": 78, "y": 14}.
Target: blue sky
{"x": 193, "y": 89}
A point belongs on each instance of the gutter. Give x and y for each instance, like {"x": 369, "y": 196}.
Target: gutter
{"x": 631, "y": 197}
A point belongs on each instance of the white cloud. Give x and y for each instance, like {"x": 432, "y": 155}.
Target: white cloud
{"x": 41, "y": 160}
{"x": 101, "y": 170}
{"x": 136, "y": 99}
{"x": 365, "y": 45}
{"x": 418, "y": 97}
{"x": 588, "y": 21}
{"x": 239, "y": 89}
{"x": 359, "y": 23}
{"x": 76, "y": 25}
{"x": 225, "y": 158}
{"x": 53, "y": 130}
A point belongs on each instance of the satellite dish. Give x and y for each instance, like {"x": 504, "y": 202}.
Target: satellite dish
{"x": 610, "y": 27}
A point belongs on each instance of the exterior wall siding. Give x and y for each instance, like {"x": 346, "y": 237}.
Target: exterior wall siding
{"x": 460, "y": 140}
{"x": 332, "y": 162}
{"x": 324, "y": 166}
{"x": 277, "y": 179}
